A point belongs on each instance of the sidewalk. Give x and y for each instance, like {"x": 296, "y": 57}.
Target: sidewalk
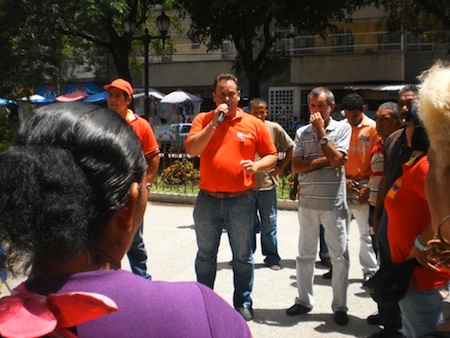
{"x": 170, "y": 241}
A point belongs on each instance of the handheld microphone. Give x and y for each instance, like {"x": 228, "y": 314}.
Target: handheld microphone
{"x": 220, "y": 118}
{"x": 221, "y": 115}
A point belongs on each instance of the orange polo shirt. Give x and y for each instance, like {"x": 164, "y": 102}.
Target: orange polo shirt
{"x": 145, "y": 134}
{"x": 409, "y": 215}
{"x": 234, "y": 140}
{"x": 364, "y": 138}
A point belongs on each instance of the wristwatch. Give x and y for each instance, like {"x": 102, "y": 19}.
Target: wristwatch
{"x": 323, "y": 141}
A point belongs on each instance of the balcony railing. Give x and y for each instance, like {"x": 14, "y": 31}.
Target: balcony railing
{"x": 358, "y": 36}
{"x": 348, "y": 42}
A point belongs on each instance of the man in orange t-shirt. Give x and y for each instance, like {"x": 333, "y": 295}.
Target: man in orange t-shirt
{"x": 228, "y": 140}
{"x": 357, "y": 169}
{"x": 119, "y": 98}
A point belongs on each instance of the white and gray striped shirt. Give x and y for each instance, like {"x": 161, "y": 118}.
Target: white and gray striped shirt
{"x": 324, "y": 188}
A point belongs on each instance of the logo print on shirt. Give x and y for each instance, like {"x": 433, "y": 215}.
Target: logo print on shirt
{"x": 365, "y": 138}
{"x": 395, "y": 188}
{"x": 241, "y": 136}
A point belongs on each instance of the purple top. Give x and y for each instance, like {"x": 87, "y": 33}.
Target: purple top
{"x": 149, "y": 309}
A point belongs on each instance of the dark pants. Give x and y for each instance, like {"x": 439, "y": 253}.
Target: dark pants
{"x": 137, "y": 255}
{"x": 323, "y": 248}
{"x": 390, "y": 314}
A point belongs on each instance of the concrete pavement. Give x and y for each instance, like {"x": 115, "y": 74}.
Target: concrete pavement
{"x": 170, "y": 241}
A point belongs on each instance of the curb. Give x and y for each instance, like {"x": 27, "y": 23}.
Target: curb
{"x": 177, "y": 198}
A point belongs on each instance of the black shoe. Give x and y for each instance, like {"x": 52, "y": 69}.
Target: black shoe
{"x": 246, "y": 312}
{"x": 297, "y": 309}
{"x": 328, "y": 275}
{"x": 273, "y": 266}
{"x": 340, "y": 318}
{"x": 326, "y": 261}
{"x": 374, "y": 319}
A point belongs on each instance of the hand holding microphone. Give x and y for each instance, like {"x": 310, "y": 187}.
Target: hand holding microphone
{"x": 222, "y": 113}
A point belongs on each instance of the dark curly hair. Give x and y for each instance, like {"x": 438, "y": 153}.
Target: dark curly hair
{"x": 353, "y": 102}
{"x": 70, "y": 170}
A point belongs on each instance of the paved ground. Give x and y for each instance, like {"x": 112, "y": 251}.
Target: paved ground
{"x": 170, "y": 239}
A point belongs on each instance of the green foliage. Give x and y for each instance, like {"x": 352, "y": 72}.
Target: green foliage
{"x": 249, "y": 24}
{"x": 37, "y": 36}
{"x": 8, "y": 129}
{"x": 181, "y": 173}
{"x": 428, "y": 17}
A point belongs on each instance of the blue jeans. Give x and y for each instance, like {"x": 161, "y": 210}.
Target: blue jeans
{"x": 237, "y": 215}
{"x": 137, "y": 255}
{"x": 422, "y": 311}
{"x": 266, "y": 217}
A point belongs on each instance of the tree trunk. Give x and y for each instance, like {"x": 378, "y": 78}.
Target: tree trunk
{"x": 120, "y": 53}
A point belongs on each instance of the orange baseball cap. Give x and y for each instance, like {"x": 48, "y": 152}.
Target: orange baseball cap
{"x": 122, "y": 85}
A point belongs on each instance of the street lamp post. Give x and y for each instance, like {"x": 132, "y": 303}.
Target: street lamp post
{"x": 163, "y": 23}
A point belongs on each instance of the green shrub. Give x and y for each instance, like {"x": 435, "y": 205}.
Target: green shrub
{"x": 181, "y": 173}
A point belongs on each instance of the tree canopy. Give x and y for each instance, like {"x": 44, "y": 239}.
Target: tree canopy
{"x": 419, "y": 16}
{"x": 39, "y": 35}
{"x": 249, "y": 24}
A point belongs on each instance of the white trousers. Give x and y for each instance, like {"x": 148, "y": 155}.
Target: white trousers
{"x": 367, "y": 257}
{"x": 335, "y": 225}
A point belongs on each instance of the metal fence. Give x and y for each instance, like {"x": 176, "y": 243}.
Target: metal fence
{"x": 179, "y": 173}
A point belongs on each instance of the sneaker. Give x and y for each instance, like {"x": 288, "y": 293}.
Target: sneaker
{"x": 246, "y": 312}
{"x": 328, "y": 275}
{"x": 297, "y": 309}
{"x": 366, "y": 278}
{"x": 374, "y": 319}
{"x": 340, "y": 318}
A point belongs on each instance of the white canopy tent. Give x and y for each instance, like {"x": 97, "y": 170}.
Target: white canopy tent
{"x": 178, "y": 106}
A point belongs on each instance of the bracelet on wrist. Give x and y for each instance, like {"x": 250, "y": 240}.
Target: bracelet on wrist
{"x": 212, "y": 125}
{"x": 419, "y": 245}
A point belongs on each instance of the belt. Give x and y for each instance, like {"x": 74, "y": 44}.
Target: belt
{"x": 225, "y": 195}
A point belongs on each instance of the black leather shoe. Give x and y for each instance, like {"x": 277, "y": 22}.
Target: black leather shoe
{"x": 328, "y": 275}
{"x": 297, "y": 309}
{"x": 374, "y": 319}
{"x": 246, "y": 312}
{"x": 340, "y": 318}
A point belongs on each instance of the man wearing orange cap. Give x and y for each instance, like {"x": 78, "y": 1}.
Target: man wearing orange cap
{"x": 119, "y": 98}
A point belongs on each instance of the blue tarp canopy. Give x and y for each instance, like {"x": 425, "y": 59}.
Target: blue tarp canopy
{"x": 4, "y": 102}
{"x": 97, "y": 97}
